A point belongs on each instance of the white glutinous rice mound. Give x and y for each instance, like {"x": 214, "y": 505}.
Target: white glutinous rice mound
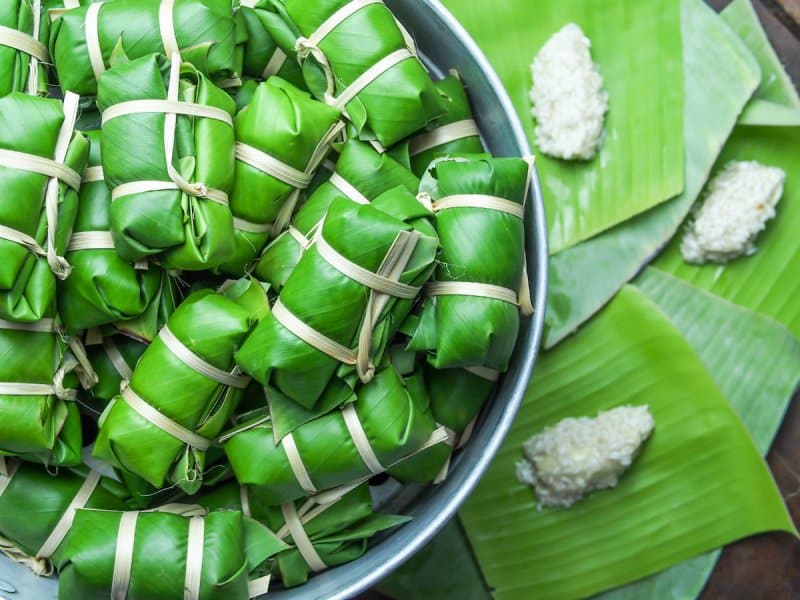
{"x": 738, "y": 204}
{"x": 568, "y": 98}
{"x": 576, "y": 456}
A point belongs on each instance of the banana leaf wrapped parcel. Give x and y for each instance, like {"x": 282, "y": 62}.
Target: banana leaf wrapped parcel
{"x": 27, "y": 490}
{"x": 387, "y": 423}
{"x": 269, "y": 49}
{"x": 23, "y": 47}
{"x": 361, "y": 174}
{"x": 84, "y": 40}
{"x": 379, "y": 82}
{"x": 113, "y": 358}
{"x": 332, "y": 531}
{"x": 168, "y": 152}
{"x": 455, "y": 132}
{"x": 183, "y": 389}
{"x": 33, "y": 394}
{"x": 161, "y": 555}
{"x": 102, "y": 288}
{"x": 342, "y": 303}
{"x": 146, "y": 326}
{"x": 282, "y": 136}
{"x": 41, "y": 158}
{"x": 471, "y": 316}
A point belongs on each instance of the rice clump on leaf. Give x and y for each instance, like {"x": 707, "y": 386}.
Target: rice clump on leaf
{"x": 739, "y": 202}
{"x": 568, "y": 98}
{"x": 579, "y": 455}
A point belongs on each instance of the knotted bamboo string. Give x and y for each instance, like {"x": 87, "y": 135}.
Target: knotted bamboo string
{"x": 194, "y": 559}
{"x": 443, "y": 134}
{"x": 121, "y": 366}
{"x": 197, "y": 364}
{"x": 64, "y": 524}
{"x": 161, "y": 421}
{"x": 123, "y": 556}
{"x": 301, "y": 539}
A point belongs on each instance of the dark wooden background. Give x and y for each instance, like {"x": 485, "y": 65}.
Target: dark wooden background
{"x": 765, "y": 566}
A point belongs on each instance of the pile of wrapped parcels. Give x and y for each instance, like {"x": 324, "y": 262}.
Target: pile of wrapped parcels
{"x": 250, "y": 257}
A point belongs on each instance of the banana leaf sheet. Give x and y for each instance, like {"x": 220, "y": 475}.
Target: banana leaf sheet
{"x": 637, "y": 46}
{"x": 391, "y": 414}
{"x": 84, "y": 40}
{"x": 393, "y": 237}
{"x": 379, "y": 83}
{"x": 767, "y": 281}
{"x": 37, "y": 223}
{"x": 282, "y": 136}
{"x": 185, "y": 380}
{"x": 23, "y": 47}
{"x": 756, "y": 282}
{"x": 471, "y": 316}
{"x": 193, "y": 555}
{"x": 720, "y": 75}
{"x": 52, "y": 497}
{"x": 756, "y": 364}
{"x": 102, "y": 288}
{"x": 169, "y": 175}
{"x": 361, "y": 174}
{"x": 698, "y": 483}
{"x": 455, "y": 132}
{"x": 338, "y": 528}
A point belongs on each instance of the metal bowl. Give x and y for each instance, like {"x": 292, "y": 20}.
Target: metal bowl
{"x": 443, "y": 45}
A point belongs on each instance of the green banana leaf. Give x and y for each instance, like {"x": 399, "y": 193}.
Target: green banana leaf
{"x": 212, "y": 326}
{"x": 31, "y": 125}
{"x": 102, "y": 288}
{"x": 367, "y": 171}
{"x": 19, "y": 71}
{"x": 32, "y": 490}
{"x": 638, "y": 48}
{"x": 471, "y": 331}
{"x": 288, "y": 125}
{"x": 445, "y": 568}
{"x": 263, "y": 55}
{"x": 776, "y": 85}
{"x": 204, "y": 30}
{"x": 398, "y": 101}
{"x": 698, "y": 483}
{"x": 160, "y": 554}
{"x": 756, "y": 364}
{"x": 766, "y": 282}
{"x": 192, "y": 232}
{"x": 146, "y": 327}
{"x": 68, "y": 449}
{"x": 397, "y": 423}
{"x": 423, "y": 147}
{"x": 753, "y": 360}
{"x": 339, "y": 529}
{"x": 720, "y": 75}
{"x": 35, "y": 415}
{"x": 457, "y": 395}
{"x": 113, "y": 358}
{"x": 365, "y": 235}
